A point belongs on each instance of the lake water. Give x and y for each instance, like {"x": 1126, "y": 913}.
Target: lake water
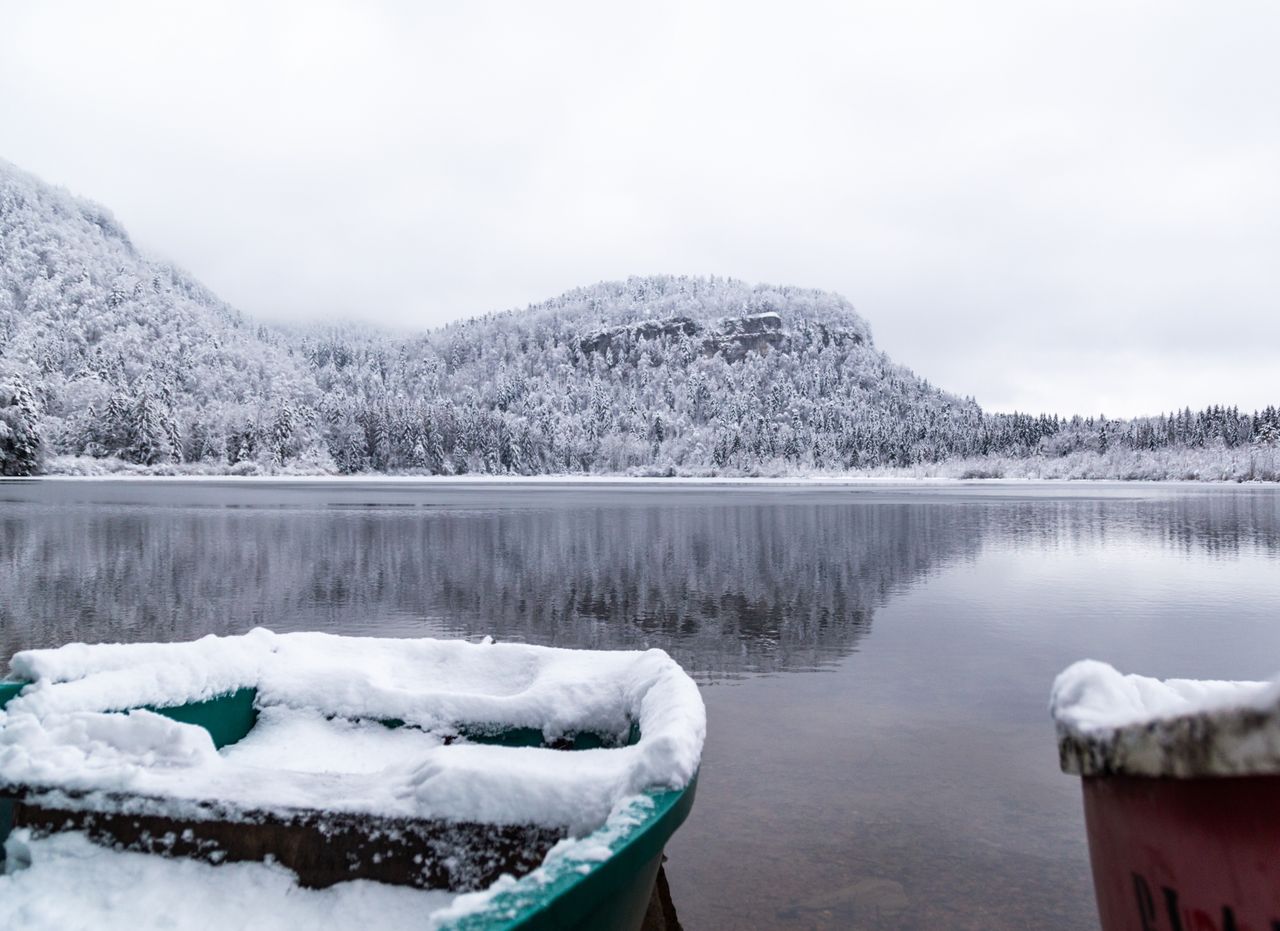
{"x": 875, "y": 659}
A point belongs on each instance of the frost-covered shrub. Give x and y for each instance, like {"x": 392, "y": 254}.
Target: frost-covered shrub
{"x": 993, "y": 471}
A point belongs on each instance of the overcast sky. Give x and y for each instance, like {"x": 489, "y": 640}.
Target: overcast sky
{"x": 1068, "y": 207}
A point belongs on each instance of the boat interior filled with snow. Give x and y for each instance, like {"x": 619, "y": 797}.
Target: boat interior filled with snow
{"x": 495, "y": 785}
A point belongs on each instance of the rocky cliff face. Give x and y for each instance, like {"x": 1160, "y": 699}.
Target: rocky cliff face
{"x": 732, "y": 337}
{"x": 736, "y": 336}
{"x": 673, "y": 328}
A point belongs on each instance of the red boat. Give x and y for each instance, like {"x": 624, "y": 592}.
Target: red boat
{"x": 1181, "y": 787}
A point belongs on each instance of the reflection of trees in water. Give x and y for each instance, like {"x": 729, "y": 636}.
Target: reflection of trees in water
{"x": 1219, "y": 523}
{"x": 726, "y": 588}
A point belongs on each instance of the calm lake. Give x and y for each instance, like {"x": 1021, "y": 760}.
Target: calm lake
{"x": 875, "y": 659}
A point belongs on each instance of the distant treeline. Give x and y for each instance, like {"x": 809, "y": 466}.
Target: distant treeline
{"x": 762, "y": 425}
{"x": 1023, "y": 434}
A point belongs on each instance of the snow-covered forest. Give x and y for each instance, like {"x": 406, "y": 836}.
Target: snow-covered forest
{"x": 112, "y": 360}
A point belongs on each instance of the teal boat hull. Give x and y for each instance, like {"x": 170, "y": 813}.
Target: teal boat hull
{"x": 612, "y": 894}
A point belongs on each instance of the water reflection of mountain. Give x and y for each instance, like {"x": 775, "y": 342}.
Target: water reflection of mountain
{"x": 727, "y": 588}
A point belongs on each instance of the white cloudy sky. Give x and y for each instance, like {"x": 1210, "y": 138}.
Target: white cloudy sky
{"x": 1051, "y": 206}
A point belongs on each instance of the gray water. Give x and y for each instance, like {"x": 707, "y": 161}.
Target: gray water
{"x": 875, "y": 660}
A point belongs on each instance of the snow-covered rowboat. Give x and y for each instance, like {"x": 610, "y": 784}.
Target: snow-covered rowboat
{"x": 1181, "y": 797}
{"x": 479, "y": 785}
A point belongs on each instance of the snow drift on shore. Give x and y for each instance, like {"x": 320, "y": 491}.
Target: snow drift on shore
{"x": 69, "y": 883}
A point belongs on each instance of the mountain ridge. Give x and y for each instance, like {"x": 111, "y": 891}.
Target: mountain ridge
{"x": 107, "y": 355}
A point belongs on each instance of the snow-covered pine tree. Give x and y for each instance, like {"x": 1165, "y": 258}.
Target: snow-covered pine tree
{"x": 21, "y": 443}
{"x": 283, "y": 439}
{"x": 114, "y": 431}
{"x": 149, "y": 435}
{"x": 418, "y": 457}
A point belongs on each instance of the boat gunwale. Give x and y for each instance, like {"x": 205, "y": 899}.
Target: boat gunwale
{"x": 1214, "y": 743}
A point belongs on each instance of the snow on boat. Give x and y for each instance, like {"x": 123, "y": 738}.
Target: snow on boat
{"x": 1181, "y": 784}
{"x": 429, "y": 783}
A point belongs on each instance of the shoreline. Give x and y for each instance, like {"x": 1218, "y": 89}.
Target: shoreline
{"x": 570, "y": 479}
{"x": 1215, "y": 465}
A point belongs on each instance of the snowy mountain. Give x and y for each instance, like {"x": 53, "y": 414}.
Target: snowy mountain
{"x": 658, "y": 373}
{"x": 131, "y": 358}
{"x": 125, "y": 355}
{"x": 110, "y": 355}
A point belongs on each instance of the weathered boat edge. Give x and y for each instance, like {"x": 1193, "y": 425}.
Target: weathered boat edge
{"x": 608, "y": 894}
